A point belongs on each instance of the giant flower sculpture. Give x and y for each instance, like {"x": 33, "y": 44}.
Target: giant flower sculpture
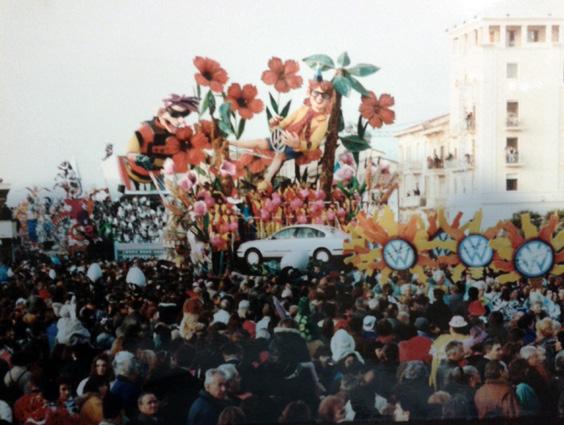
{"x": 243, "y": 100}
{"x": 382, "y": 244}
{"x": 469, "y": 248}
{"x": 210, "y": 74}
{"x": 528, "y": 252}
{"x": 282, "y": 75}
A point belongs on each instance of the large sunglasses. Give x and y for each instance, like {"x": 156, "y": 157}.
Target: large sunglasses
{"x": 177, "y": 114}
{"x": 324, "y": 96}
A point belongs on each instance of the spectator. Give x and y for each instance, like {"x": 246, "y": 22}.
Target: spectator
{"x": 211, "y": 401}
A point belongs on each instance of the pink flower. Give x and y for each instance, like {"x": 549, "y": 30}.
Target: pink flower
{"x": 347, "y": 158}
{"x": 233, "y": 227}
{"x": 200, "y": 208}
{"x": 343, "y": 174}
{"x": 276, "y": 198}
{"x": 264, "y": 215}
{"x": 224, "y": 228}
{"x": 302, "y": 219}
{"x": 317, "y": 220}
{"x": 269, "y": 206}
{"x": 304, "y": 193}
{"x": 296, "y": 203}
{"x": 168, "y": 166}
{"x": 341, "y": 213}
{"x": 317, "y": 206}
{"x": 320, "y": 195}
{"x": 330, "y": 215}
{"x": 218, "y": 243}
{"x": 209, "y": 201}
{"x": 186, "y": 183}
{"x": 227, "y": 169}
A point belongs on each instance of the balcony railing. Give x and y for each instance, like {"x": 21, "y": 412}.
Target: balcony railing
{"x": 414, "y": 201}
{"x": 512, "y": 121}
{"x": 460, "y": 164}
{"x": 435, "y": 163}
{"x": 513, "y": 159}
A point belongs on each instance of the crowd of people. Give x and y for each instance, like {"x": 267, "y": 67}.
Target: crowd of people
{"x": 151, "y": 343}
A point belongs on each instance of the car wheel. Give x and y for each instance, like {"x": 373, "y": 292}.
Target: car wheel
{"x": 322, "y": 255}
{"x": 253, "y": 257}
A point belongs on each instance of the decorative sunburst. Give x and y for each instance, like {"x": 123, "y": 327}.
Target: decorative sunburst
{"x": 470, "y": 249}
{"x": 379, "y": 243}
{"x": 437, "y": 234}
{"x": 528, "y": 252}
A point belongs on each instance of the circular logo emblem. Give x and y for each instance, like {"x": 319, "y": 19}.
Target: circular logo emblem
{"x": 534, "y": 258}
{"x": 399, "y": 255}
{"x": 475, "y": 251}
{"x": 441, "y": 252}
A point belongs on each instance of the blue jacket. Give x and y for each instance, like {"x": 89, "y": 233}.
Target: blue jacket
{"x": 205, "y": 410}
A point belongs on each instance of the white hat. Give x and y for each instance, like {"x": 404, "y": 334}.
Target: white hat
{"x": 52, "y": 274}
{"x": 244, "y": 305}
{"x": 286, "y": 293}
{"x": 221, "y": 317}
{"x": 342, "y": 344}
{"x": 94, "y": 272}
{"x": 373, "y": 303}
{"x": 368, "y": 323}
{"x": 457, "y": 322}
{"x": 135, "y": 276}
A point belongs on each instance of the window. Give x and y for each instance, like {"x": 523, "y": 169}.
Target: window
{"x": 513, "y": 36}
{"x": 555, "y": 33}
{"x": 284, "y": 234}
{"x": 308, "y": 232}
{"x": 512, "y": 70}
{"x": 512, "y": 113}
{"x": 536, "y": 34}
{"x": 494, "y": 34}
{"x": 511, "y": 151}
{"x": 511, "y": 183}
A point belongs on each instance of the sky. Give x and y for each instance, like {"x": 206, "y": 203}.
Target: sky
{"x": 79, "y": 74}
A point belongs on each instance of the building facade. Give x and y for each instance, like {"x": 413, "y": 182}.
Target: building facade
{"x": 501, "y": 147}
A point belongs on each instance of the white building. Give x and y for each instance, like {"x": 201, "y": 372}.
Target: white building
{"x": 501, "y": 147}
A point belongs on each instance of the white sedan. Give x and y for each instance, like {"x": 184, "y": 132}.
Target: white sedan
{"x": 320, "y": 242}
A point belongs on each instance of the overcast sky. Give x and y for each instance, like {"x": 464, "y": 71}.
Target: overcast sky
{"x": 78, "y": 74}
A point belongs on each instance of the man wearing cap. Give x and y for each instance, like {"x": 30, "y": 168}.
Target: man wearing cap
{"x": 457, "y": 327}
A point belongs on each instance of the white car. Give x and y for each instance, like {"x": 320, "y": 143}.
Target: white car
{"x": 320, "y": 242}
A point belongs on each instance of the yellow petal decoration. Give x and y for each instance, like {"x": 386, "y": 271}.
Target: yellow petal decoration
{"x": 457, "y": 272}
{"x": 509, "y": 277}
{"x": 529, "y": 229}
{"x": 476, "y": 223}
{"x": 476, "y": 272}
{"x": 503, "y": 248}
{"x": 558, "y": 241}
{"x": 388, "y": 222}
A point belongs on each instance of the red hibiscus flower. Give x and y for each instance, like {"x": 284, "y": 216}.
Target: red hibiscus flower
{"x": 190, "y": 149}
{"x": 243, "y": 100}
{"x": 255, "y": 164}
{"x": 282, "y": 75}
{"x": 376, "y": 111}
{"x": 210, "y": 74}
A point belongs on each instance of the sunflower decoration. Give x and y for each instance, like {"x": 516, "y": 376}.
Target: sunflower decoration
{"x": 528, "y": 252}
{"x": 379, "y": 243}
{"x": 437, "y": 234}
{"x": 470, "y": 249}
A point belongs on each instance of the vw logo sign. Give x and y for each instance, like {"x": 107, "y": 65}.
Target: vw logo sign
{"x": 441, "y": 252}
{"x": 399, "y": 255}
{"x": 534, "y": 258}
{"x": 475, "y": 251}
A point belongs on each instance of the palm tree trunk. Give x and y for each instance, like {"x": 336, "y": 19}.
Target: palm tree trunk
{"x": 328, "y": 160}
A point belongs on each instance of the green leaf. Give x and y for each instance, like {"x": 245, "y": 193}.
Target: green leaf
{"x": 341, "y": 121}
{"x": 360, "y": 127}
{"x": 286, "y": 109}
{"x": 217, "y": 185}
{"x": 211, "y": 102}
{"x": 273, "y": 103}
{"x": 199, "y": 91}
{"x": 319, "y": 61}
{"x": 268, "y": 114}
{"x": 356, "y": 156}
{"x": 342, "y": 85}
{"x": 362, "y": 188}
{"x": 355, "y": 143}
{"x": 206, "y": 103}
{"x": 226, "y": 127}
{"x": 363, "y": 69}
{"x": 241, "y": 128}
{"x": 224, "y": 110}
{"x": 343, "y": 60}
{"x": 200, "y": 171}
{"x": 357, "y": 86}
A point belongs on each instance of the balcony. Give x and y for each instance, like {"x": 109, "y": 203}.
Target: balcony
{"x": 513, "y": 159}
{"x": 413, "y": 201}
{"x": 460, "y": 164}
{"x": 512, "y": 122}
{"x": 411, "y": 166}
